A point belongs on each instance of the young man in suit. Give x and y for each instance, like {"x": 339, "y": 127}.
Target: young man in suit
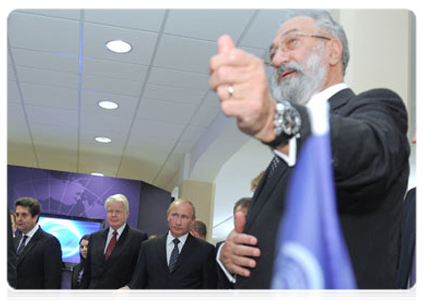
{"x": 409, "y": 258}
{"x": 39, "y": 255}
{"x": 177, "y": 260}
{"x": 309, "y": 56}
{"x": 112, "y": 252}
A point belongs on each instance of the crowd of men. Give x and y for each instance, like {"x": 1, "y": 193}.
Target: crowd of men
{"x": 309, "y": 56}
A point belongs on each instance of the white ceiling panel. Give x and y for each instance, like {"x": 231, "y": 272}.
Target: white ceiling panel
{"x": 192, "y": 55}
{"x": 173, "y": 78}
{"x": 172, "y": 94}
{"x": 263, "y": 29}
{"x": 144, "y": 19}
{"x": 50, "y": 96}
{"x": 105, "y": 121}
{"x": 111, "y": 85}
{"x": 165, "y": 111}
{"x": 43, "y": 60}
{"x": 72, "y": 14}
{"x": 161, "y": 85}
{"x": 96, "y": 36}
{"x": 52, "y": 116}
{"x": 57, "y": 137}
{"x": 204, "y": 116}
{"x": 47, "y": 77}
{"x": 208, "y": 24}
{"x": 43, "y": 33}
{"x": 13, "y": 92}
{"x": 112, "y": 69}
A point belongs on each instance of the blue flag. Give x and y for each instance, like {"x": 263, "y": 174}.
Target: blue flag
{"x": 311, "y": 251}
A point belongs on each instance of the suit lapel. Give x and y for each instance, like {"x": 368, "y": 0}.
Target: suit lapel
{"x": 98, "y": 252}
{"x": 264, "y": 191}
{"x": 161, "y": 248}
{"x": 341, "y": 98}
{"x": 32, "y": 242}
{"x": 185, "y": 252}
{"x": 120, "y": 245}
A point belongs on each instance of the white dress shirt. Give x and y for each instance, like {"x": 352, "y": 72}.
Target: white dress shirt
{"x": 170, "y": 244}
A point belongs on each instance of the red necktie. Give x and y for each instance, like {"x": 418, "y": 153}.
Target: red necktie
{"x": 111, "y": 245}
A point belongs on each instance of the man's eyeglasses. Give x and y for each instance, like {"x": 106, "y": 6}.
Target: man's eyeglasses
{"x": 291, "y": 42}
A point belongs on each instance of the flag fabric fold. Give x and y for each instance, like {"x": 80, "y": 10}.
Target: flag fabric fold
{"x": 310, "y": 250}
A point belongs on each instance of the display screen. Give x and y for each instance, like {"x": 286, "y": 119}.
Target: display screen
{"x": 69, "y": 231}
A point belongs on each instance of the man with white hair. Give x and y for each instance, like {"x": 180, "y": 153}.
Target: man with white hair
{"x": 112, "y": 252}
{"x": 309, "y": 56}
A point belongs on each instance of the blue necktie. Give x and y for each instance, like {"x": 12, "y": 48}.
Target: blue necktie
{"x": 174, "y": 255}
{"x": 21, "y": 246}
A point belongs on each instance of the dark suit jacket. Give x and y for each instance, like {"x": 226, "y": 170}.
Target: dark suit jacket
{"x": 407, "y": 240}
{"x": 370, "y": 159}
{"x": 75, "y": 274}
{"x": 195, "y": 268}
{"x": 115, "y": 272}
{"x": 11, "y": 254}
{"x": 40, "y": 265}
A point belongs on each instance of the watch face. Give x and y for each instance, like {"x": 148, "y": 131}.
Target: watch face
{"x": 291, "y": 121}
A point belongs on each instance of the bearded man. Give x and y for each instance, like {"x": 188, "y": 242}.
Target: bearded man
{"x": 309, "y": 56}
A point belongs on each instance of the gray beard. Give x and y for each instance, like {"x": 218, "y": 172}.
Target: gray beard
{"x": 299, "y": 88}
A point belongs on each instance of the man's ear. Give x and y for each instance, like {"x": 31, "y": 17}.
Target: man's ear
{"x": 334, "y": 50}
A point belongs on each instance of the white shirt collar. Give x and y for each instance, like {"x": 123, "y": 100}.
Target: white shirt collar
{"x": 31, "y": 233}
{"x": 182, "y": 239}
{"x": 326, "y": 94}
{"x": 119, "y": 230}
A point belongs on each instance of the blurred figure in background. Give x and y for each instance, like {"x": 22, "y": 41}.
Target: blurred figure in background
{"x": 78, "y": 270}
{"x": 199, "y": 230}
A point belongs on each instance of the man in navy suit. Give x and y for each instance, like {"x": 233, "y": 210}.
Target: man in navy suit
{"x": 409, "y": 281}
{"x": 177, "y": 260}
{"x": 309, "y": 56}
{"x": 112, "y": 252}
{"x": 39, "y": 255}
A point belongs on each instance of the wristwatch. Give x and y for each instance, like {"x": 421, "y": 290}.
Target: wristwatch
{"x": 287, "y": 123}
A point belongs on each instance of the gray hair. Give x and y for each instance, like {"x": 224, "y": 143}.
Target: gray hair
{"x": 325, "y": 23}
{"x": 118, "y": 198}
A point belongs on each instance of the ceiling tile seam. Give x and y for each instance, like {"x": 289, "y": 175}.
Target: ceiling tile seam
{"x": 80, "y": 55}
{"x": 45, "y": 52}
{"x": 43, "y": 15}
{"x": 121, "y": 27}
{"x": 22, "y": 101}
{"x": 176, "y": 87}
{"x": 247, "y": 27}
{"x": 140, "y": 97}
{"x": 45, "y": 69}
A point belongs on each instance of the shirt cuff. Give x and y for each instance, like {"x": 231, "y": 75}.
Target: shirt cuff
{"x": 228, "y": 275}
{"x": 291, "y": 158}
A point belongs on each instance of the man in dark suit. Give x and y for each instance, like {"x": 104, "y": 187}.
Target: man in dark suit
{"x": 39, "y": 255}
{"x": 11, "y": 253}
{"x": 309, "y": 56}
{"x": 409, "y": 259}
{"x": 177, "y": 260}
{"x": 112, "y": 252}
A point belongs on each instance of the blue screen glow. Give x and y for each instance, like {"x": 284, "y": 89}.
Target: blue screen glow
{"x": 68, "y": 232}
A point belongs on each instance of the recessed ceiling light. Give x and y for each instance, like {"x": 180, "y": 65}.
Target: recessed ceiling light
{"x": 118, "y": 46}
{"x": 108, "y": 104}
{"x": 103, "y": 139}
{"x": 97, "y": 174}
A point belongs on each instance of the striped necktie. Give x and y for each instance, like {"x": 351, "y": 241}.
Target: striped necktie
{"x": 174, "y": 255}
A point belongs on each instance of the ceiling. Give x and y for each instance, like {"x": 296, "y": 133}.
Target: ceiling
{"x": 59, "y": 69}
